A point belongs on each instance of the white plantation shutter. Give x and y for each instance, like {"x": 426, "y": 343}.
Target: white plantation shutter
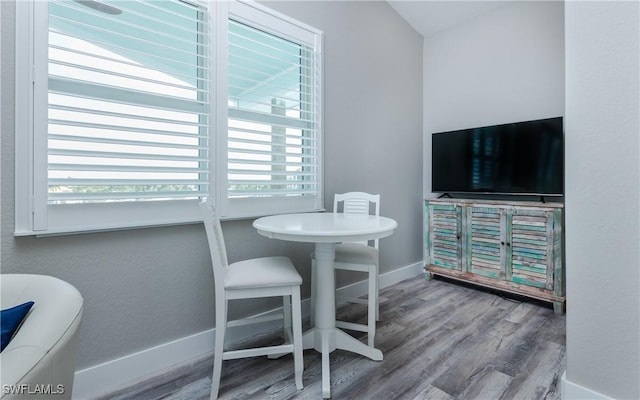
{"x": 128, "y": 102}
{"x": 273, "y": 112}
{"x": 118, "y": 123}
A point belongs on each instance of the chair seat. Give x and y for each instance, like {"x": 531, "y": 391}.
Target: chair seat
{"x": 262, "y": 272}
{"x": 356, "y": 254}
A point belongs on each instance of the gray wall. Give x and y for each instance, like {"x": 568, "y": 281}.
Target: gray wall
{"x": 150, "y": 286}
{"x": 373, "y": 110}
{"x": 504, "y": 66}
{"x": 602, "y": 197}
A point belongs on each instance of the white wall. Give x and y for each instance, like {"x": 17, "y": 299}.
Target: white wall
{"x": 603, "y": 198}
{"x": 504, "y": 66}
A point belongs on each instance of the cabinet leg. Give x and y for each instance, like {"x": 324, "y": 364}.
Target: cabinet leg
{"x": 558, "y": 307}
{"x": 427, "y": 276}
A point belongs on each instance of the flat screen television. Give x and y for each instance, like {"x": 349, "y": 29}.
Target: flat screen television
{"x": 522, "y": 158}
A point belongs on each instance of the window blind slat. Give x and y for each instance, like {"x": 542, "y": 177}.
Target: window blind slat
{"x": 91, "y": 111}
{"x": 289, "y": 136}
{"x": 243, "y": 143}
{"x": 136, "y": 143}
{"x": 236, "y": 162}
{"x": 232, "y": 172}
{"x": 118, "y": 95}
{"x": 260, "y": 106}
{"x": 277, "y": 192}
{"x": 274, "y": 182}
{"x": 122, "y": 128}
{"x": 124, "y": 168}
{"x": 106, "y": 196}
{"x": 126, "y": 182}
{"x": 270, "y": 119}
{"x": 274, "y": 153}
{"x": 122, "y": 155}
{"x": 83, "y": 68}
{"x": 239, "y": 78}
{"x": 291, "y": 103}
{"x": 247, "y": 126}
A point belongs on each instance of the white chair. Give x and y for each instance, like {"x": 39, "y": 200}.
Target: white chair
{"x": 361, "y": 257}
{"x": 43, "y": 351}
{"x": 254, "y": 278}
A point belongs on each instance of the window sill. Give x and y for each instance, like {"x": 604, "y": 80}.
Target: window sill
{"x": 98, "y": 229}
{"x": 112, "y": 228}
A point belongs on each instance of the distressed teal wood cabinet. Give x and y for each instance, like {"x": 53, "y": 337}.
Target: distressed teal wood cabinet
{"x": 511, "y": 246}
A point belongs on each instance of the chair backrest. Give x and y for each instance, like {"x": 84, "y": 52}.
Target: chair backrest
{"x": 358, "y": 203}
{"x": 216, "y": 244}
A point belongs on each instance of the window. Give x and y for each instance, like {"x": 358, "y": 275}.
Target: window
{"x": 128, "y": 102}
{"x": 126, "y": 128}
{"x": 273, "y": 158}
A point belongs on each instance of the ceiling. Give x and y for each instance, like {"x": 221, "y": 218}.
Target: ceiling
{"x": 429, "y": 17}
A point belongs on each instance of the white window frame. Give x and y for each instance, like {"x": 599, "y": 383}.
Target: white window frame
{"x": 33, "y": 214}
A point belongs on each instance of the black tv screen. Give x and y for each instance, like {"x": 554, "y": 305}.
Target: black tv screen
{"x": 524, "y": 158}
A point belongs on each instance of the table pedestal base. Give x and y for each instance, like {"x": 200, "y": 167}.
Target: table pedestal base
{"x": 327, "y": 340}
{"x": 324, "y": 336}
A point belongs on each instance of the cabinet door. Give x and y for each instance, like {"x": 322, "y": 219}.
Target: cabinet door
{"x": 484, "y": 233}
{"x": 445, "y": 224}
{"x": 532, "y": 248}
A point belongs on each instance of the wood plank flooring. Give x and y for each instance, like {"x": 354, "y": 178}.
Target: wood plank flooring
{"x": 440, "y": 340}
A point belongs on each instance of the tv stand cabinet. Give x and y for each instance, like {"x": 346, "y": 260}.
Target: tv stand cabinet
{"x": 515, "y": 247}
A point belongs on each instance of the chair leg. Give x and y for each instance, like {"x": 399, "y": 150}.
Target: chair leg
{"x": 371, "y": 307}
{"x": 221, "y": 327}
{"x": 298, "y": 362}
{"x": 312, "y": 298}
{"x": 286, "y": 310}
{"x": 288, "y": 337}
{"x": 377, "y": 294}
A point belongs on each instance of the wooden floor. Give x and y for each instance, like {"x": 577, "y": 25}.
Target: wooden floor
{"x": 440, "y": 340}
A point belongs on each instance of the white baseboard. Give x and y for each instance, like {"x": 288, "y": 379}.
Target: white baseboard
{"x": 111, "y": 375}
{"x": 387, "y": 279}
{"x": 573, "y": 391}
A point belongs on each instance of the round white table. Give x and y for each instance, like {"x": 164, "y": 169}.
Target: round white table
{"x": 325, "y": 230}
